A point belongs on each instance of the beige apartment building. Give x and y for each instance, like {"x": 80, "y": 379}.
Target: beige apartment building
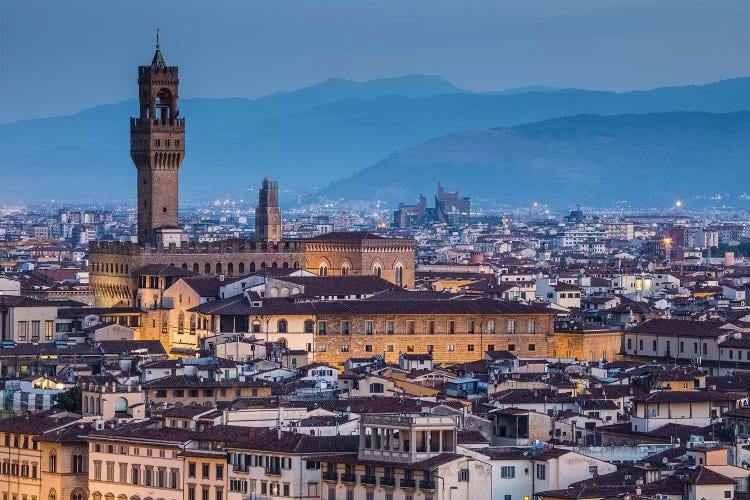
{"x": 42, "y": 458}
{"x": 140, "y": 461}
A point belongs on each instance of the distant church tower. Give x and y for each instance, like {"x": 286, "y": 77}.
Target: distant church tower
{"x": 268, "y": 213}
{"x": 157, "y": 147}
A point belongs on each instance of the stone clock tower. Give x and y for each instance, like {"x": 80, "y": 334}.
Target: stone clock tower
{"x": 157, "y": 147}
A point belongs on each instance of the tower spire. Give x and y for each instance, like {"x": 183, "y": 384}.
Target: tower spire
{"x": 158, "y": 61}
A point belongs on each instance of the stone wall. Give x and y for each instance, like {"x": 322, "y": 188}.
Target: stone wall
{"x": 588, "y": 346}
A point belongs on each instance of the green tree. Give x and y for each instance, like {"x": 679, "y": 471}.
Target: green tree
{"x": 69, "y": 400}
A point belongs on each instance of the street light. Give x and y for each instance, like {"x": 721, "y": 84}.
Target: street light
{"x": 667, "y": 246}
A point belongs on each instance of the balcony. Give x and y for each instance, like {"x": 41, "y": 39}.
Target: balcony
{"x": 349, "y": 478}
{"x": 273, "y": 471}
{"x": 368, "y": 479}
{"x": 331, "y": 476}
{"x": 388, "y": 481}
{"x": 426, "y": 485}
{"x": 407, "y": 483}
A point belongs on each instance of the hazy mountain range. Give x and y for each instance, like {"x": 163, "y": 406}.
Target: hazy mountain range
{"x": 644, "y": 160}
{"x": 427, "y": 130}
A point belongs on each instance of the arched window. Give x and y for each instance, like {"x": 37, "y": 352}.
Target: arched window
{"x": 163, "y": 105}
{"x": 121, "y": 405}
{"x": 274, "y": 265}
{"x": 285, "y": 265}
{"x": 193, "y": 323}
{"x": 52, "y": 494}
{"x": 164, "y": 324}
{"x": 296, "y": 265}
{"x": 52, "y": 465}
{"x": 76, "y": 495}
{"x": 377, "y": 270}
{"x": 309, "y": 326}
{"x": 323, "y": 269}
{"x": 77, "y": 464}
{"x": 207, "y": 268}
{"x": 230, "y": 268}
{"x": 196, "y": 268}
{"x": 282, "y": 326}
{"x": 345, "y": 269}
{"x": 262, "y": 265}
{"x": 255, "y": 327}
{"x": 241, "y": 268}
{"x": 399, "y": 274}
{"x": 491, "y": 326}
{"x": 181, "y": 323}
{"x": 184, "y": 266}
{"x": 252, "y": 267}
{"x": 218, "y": 268}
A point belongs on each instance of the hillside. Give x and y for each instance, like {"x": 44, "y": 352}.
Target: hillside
{"x": 307, "y": 138}
{"x": 641, "y": 159}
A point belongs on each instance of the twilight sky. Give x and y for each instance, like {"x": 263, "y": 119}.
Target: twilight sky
{"x": 60, "y": 57}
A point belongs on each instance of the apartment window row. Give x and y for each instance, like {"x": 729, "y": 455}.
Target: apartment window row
{"x": 698, "y": 347}
{"x": 19, "y": 441}
{"x": 193, "y": 393}
{"x": 242, "y": 461}
{"x": 23, "y": 470}
{"x": 430, "y": 327}
{"x": 140, "y": 475}
{"x": 205, "y": 492}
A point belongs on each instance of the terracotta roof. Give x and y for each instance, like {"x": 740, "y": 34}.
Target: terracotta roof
{"x": 204, "y": 286}
{"x": 703, "y": 475}
{"x": 687, "y": 396}
{"x": 240, "y": 305}
{"x": 126, "y": 346}
{"x": 162, "y": 270}
{"x": 34, "y": 423}
{"x": 319, "y": 286}
{"x": 184, "y": 381}
{"x": 471, "y": 437}
{"x": 681, "y": 328}
{"x": 148, "y": 430}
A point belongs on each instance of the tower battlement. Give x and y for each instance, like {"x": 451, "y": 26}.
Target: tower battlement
{"x": 209, "y": 248}
{"x": 174, "y": 125}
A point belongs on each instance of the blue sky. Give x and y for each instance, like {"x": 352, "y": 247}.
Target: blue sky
{"x": 60, "y": 57}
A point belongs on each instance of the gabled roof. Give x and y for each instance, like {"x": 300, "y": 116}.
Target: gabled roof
{"x": 704, "y": 476}
{"x": 204, "y": 286}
